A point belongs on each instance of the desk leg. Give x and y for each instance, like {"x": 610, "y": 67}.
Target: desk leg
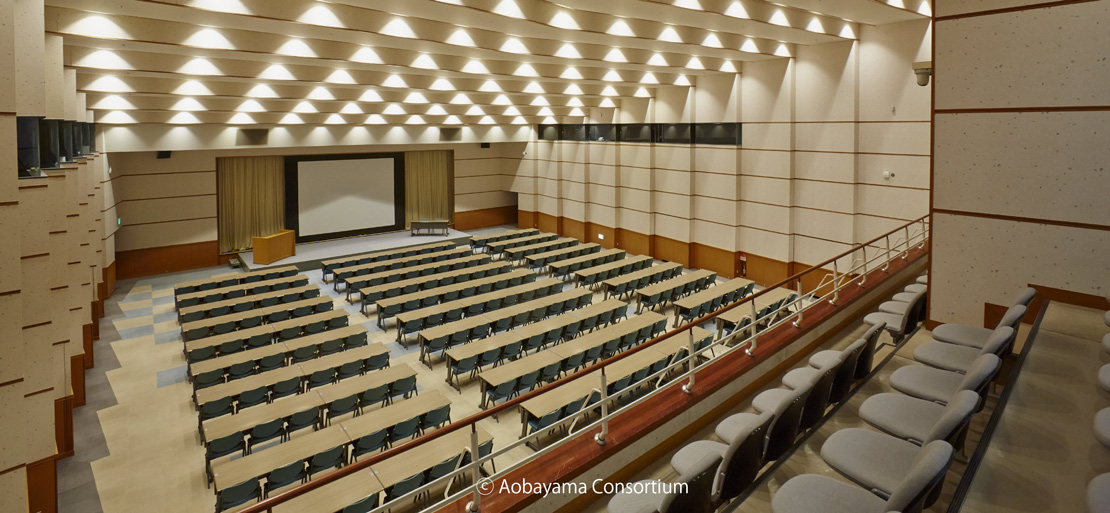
{"x": 523, "y": 423}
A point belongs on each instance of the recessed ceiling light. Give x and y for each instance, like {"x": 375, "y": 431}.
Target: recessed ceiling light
{"x": 575, "y": 102}
{"x": 370, "y": 96}
{"x": 320, "y": 93}
{"x": 193, "y": 88}
{"x": 539, "y": 101}
{"x": 415, "y": 97}
{"x": 461, "y": 99}
{"x": 694, "y": 63}
{"x": 657, "y": 60}
{"x": 571, "y": 74}
{"x": 534, "y": 88}
{"x": 460, "y": 38}
{"x": 276, "y": 72}
{"x": 394, "y": 81}
{"x": 508, "y": 8}
{"x": 609, "y": 91}
{"x": 376, "y": 119}
{"x": 564, "y": 20}
{"x": 335, "y": 119}
{"x": 436, "y": 110}
{"x": 712, "y": 41}
{"x": 117, "y": 118}
{"x": 199, "y": 66}
{"x": 475, "y": 110}
{"x": 736, "y": 10}
{"x": 305, "y": 108}
{"x": 452, "y": 120}
{"x": 620, "y": 28}
{"x": 573, "y": 89}
{"x": 367, "y": 55}
{"x": 576, "y": 112}
{"x": 688, "y": 4}
{"x": 476, "y": 67}
{"x": 262, "y": 91}
{"x": 749, "y": 46}
{"x": 513, "y": 45}
{"x": 188, "y": 105}
{"x": 320, "y": 15}
{"x": 502, "y": 100}
{"x": 682, "y": 81}
{"x": 113, "y": 102}
{"x": 670, "y": 35}
{"x": 519, "y": 121}
{"x": 241, "y": 118}
{"x": 779, "y": 18}
{"x": 607, "y": 103}
{"x": 424, "y": 61}
{"x": 649, "y": 78}
{"x": 550, "y": 121}
{"x": 398, "y": 28}
{"x": 568, "y": 51}
{"x": 486, "y": 120}
{"x": 782, "y": 50}
{"x": 209, "y": 38}
{"x": 442, "y": 84}
{"x": 512, "y": 111}
{"x": 728, "y": 67}
{"x": 394, "y": 109}
{"x": 183, "y": 118}
{"x": 296, "y": 48}
{"x": 615, "y": 55}
{"x": 351, "y": 108}
{"x": 340, "y": 76}
{"x": 546, "y": 111}
{"x": 815, "y": 25}
{"x": 415, "y": 120}
{"x": 612, "y": 76}
{"x": 526, "y": 70}
{"x": 490, "y": 86}
{"x": 642, "y": 93}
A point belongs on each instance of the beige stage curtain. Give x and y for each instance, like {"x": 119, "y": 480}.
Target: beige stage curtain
{"x": 429, "y": 185}
{"x": 251, "y": 199}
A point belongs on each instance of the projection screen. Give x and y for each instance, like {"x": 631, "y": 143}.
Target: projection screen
{"x": 339, "y": 197}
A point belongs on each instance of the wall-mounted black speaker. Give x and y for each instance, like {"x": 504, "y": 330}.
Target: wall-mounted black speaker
{"x": 164, "y": 154}
{"x": 485, "y": 146}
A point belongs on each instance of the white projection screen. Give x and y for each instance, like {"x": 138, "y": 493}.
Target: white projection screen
{"x": 340, "y": 197}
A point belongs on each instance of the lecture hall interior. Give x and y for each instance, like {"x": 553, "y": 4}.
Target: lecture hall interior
{"x": 625, "y": 256}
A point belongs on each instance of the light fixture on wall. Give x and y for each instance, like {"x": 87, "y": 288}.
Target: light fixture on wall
{"x": 923, "y": 70}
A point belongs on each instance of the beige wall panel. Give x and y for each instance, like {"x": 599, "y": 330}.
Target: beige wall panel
{"x": 826, "y": 82}
{"x": 11, "y": 277}
{"x": 672, "y": 228}
{"x": 34, "y": 214}
{"x": 828, "y": 167}
{"x": 773, "y": 218}
{"x": 716, "y": 159}
{"x": 146, "y": 162}
{"x": 165, "y": 234}
{"x": 766, "y": 86}
{"x": 108, "y": 219}
{"x": 888, "y": 88}
{"x": 897, "y": 138}
{"x": 541, "y": 150}
{"x": 831, "y": 137}
{"x": 837, "y": 197}
{"x": 477, "y": 167}
{"x": 30, "y": 45}
{"x": 637, "y": 155}
{"x": 635, "y": 199}
{"x": 765, "y": 190}
{"x": 603, "y": 174}
{"x": 766, "y": 244}
{"x": 7, "y": 63}
{"x": 812, "y": 251}
{"x": 108, "y": 193}
{"x": 547, "y": 187}
{"x": 526, "y": 202}
{"x": 678, "y": 182}
{"x": 716, "y": 186}
{"x": 1049, "y": 165}
{"x": 572, "y": 151}
{"x": 767, "y": 136}
{"x": 573, "y": 190}
{"x": 602, "y": 153}
{"x": 715, "y": 235}
{"x": 166, "y": 186}
{"x": 70, "y": 100}
{"x": 717, "y": 99}
{"x": 602, "y": 194}
{"x": 481, "y": 200}
{"x": 522, "y": 184}
{"x": 639, "y": 178}
{"x": 908, "y": 171}
{"x": 574, "y": 210}
{"x": 513, "y": 166}
{"x": 11, "y": 342}
{"x": 14, "y": 425}
{"x": 639, "y": 222}
{"x": 955, "y": 7}
{"x": 38, "y": 354}
{"x": 547, "y": 168}
{"x": 169, "y": 209}
{"x": 547, "y": 205}
{"x": 764, "y": 163}
{"x": 109, "y": 250}
{"x": 824, "y": 225}
{"x": 467, "y": 185}
{"x": 968, "y": 250}
{"x": 602, "y": 214}
{"x": 893, "y": 202}
{"x": 574, "y": 171}
{"x": 673, "y": 105}
{"x": 716, "y": 210}
{"x": 13, "y": 486}
{"x": 635, "y": 110}
{"x": 669, "y": 156}
{"x": 40, "y": 425}
{"x": 869, "y": 227}
{"x": 1053, "y": 69}
{"x": 9, "y": 187}
{"x": 677, "y": 205}
{"x": 55, "y": 77}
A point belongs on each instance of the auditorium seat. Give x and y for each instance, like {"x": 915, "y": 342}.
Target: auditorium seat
{"x": 1098, "y": 494}
{"x": 975, "y": 336}
{"x": 820, "y": 494}
{"x": 960, "y": 358}
{"x": 783, "y": 430}
{"x": 741, "y": 458}
{"x": 1102, "y": 427}
{"x": 917, "y": 420}
{"x": 900, "y": 324}
{"x": 699, "y": 483}
{"x": 940, "y": 385}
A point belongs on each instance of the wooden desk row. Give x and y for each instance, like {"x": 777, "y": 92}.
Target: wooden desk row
{"x": 242, "y": 289}
{"x": 628, "y": 283}
{"x": 247, "y": 419}
{"x": 283, "y": 347}
{"x": 727, "y": 292}
{"x": 384, "y": 475}
{"x": 235, "y": 317}
{"x": 737, "y": 315}
{"x": 541, "y": 260}
{"x": 400, "y": 266}
{"x": 518, "y": 253}
{"x": 303, "y": 447}
{"x": 306, "y": 292}
{"x": 501, "y": 246}
{"x": 563, "y": 268}
{"x": 272, "y": 329}
{"x": 675, "y": 287}
{"x": 441, "y": 292}
{"x": 541, "y": 289}
{"x": 240, "y": 278}
{"x": 300, "y": 370}
{"x": 370, "y": 295}
{"x": 483, "y": 240}
{"x": 490, "y": 319}
{"x": 329, "y": 266}
{"x": 354, "y": 283}
{"x": 592, "y": 275}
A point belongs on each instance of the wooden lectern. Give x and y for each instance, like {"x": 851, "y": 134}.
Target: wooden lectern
{"x": 271, "y": 248}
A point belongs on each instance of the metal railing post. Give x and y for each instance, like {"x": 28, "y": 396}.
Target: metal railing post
{"x": 600, "y": 437}
{"x": 863, "y": 280}
{"x": 475, "y": 503}
{"x": 835, "y": 284}
{"x": 924, "y": 233}
{"x": 906, "y": 255}
{"x": 689, "y": 386}
{"x": 801, "y": 307}
{"x": 755, "y": 330}
{"x": 886, "y": 265}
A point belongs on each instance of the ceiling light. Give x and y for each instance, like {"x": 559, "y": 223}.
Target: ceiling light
{"x": 193, "y": 88}
{"x": 262, "y": 91}
{"x": 508, "y": 8}
{"x": 694, "y": 63}
{"x": 394, "y": 109}
{"x": 320, "y": 15}
{"x": 305, "y": 108}
{"x": 612, "y": 76}
{"x": 188, "y": 104}
{"x": 728, "y": 67}
{"x": 848, "y": 33}
{"x": 335, "y": 119}
{"x": 670, "y": 35}
{"x": 642, "y": 93}
{"x": 490, "y": 86}
{"x": 657, "y": 60}
{"x": 782, "y": 50}
{"x": 550, "y": 121}
{"x": 296, "y": 48}
{"x": 649, "y": 78}
{"x": 460, "y": 38}
{"x": 539, "y": 101}
{"x": 575, "y": 102}
{"x": 394, "y": 81}
{"x": 564, "y": 20}
{"x": 415, "y": 97}
{"x": 779, "y": 18}
{"x": 442, "y": 84}
{"x": 815, "y": 25}
{"x": 452, "y": 120}
{"x": 519, "y": 121}
{"x": 546, "y": 111}
{"x": 475, "y": 110}
{"x": 620, "y": 28}
{"x": 512, "y": 111}
{"x": 573, "y": 89}
{"x": 117, "y": 118}
{"x": 749, "y": 46}
{"x": 476, "y": 67}
{"x": 370, "y": 96}
{"x": 682, "y": 81}
{"x": 183, "y": 118}
{"x": 461, "y": 99}
{"x": 502, "y": 100}
{"x": 609, "y": 91}
{"x": 568, "y": 51}
{"x": 571, "y": 74}
{"x": 200, "y": 66}
{"x": 526, "y": 70}
{"x": 241, "y": 118}
{"x": 276, "y": 72}
{"x": 415, "y": 120}
{"x": 607, "y": 103}
{"x": 367, "y": 55}
{"x": 513, "y": 45}
{"x": 486, "y": 120}
{"x": 688, "y": 4}
{"x": 398, "y": 28}
{"x": 351, "y": 108}
{"x": 209, "y": 38}
{"x": 576, "y": 112}
{"x": 113, "y": 102}
{"x": 736, "y": 10}
{"x": 340, "y": 76}
{"x": 534, "y": 88}
{"x": 320, "y": 93}
{"x": 376, "y": 119}
{"x": 711, "y": 41}
{"x": 436, "y": 110}
{"x": 424, "y": 61}
{"x": 615, "y": 55}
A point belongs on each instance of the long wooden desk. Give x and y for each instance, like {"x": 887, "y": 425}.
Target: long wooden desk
{"x": 271, "y": 328}
{"x": 247, "y": 419}
{"x": 297, "y": 280}
{"x": 737, "y": 315}
{"x": 257, "y": 464}
{"x": 546, "y": 258}
{"x": 257, "y": 312}
{"x": 300, "y": 370}
{"x": 492, "y": 267}
{"x": 444, "y": 289}
{"x": 330, "y": 265}
{"x": 286, "y": 347}
{"x": 602, "y": 336}
{"x": 491, "y": 318}
{"x": 400, "y": 265}
{"x": 443, "y": 308}
{"x": 355, "y": 283}
{"x": 590, "y": 260}
{"x": 676, "y": 283}
{"x": 227, "y": 276}
{"x": 253, "y": 299}
{"x": 707, "y": 296}
{"x": 654, "y": 271}
{"x": 518, "y": 253}
{"x": 500, "y": 246}
{"x": 637, "y": 262}
{"x": 484, "y": 239}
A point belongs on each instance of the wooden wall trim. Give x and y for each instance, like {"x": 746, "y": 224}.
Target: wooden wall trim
{"x": 77, "y": 379}
{"x": 42, "y": 485}
{"x": 1017, "y": 219}
{"x": 63, "y": 426}
{"x": 496, "y": 216}
{"x": 148, "y": 261}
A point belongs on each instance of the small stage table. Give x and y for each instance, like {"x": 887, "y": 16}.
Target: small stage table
{"x": 429, "y": 225}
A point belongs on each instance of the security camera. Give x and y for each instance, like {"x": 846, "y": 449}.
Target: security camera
{"x": 923, "y": 70}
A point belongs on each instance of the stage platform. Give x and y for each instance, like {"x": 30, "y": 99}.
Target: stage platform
{"x": 309, "y": 255}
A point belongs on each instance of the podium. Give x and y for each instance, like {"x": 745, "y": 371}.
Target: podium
{"x": 271, "y": 248}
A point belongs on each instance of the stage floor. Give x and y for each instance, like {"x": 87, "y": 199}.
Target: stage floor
{"x": 315, "y": 251}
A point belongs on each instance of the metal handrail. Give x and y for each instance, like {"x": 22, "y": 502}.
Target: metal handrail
{"x": 689, "y": 363}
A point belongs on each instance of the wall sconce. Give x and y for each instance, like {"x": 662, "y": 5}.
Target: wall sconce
{"x": 923, "y": 70}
